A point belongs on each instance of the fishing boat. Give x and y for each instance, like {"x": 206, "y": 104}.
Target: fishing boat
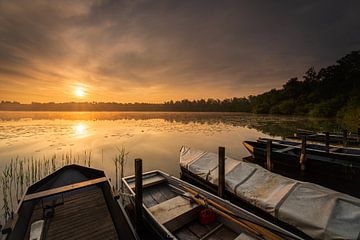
{"x": 319, "y": 212}
{"x": 177, "y": 210}
{"x": 338, "y": 169}
{"x": 74, "y": 202}
{"x": 335, "y": 138}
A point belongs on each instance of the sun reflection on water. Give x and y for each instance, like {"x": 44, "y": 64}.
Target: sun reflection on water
{"x": 80, "y": 129}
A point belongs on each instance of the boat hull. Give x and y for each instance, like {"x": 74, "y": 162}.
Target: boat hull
{"x": 338, "y": 172}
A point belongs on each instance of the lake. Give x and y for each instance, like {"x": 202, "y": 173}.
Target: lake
{"x": 32, "y": 144}
{"x": 156, "y": 137}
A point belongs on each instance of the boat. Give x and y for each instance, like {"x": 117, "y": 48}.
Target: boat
{"x": 334, "y": 138}
{"x": 319, "y": 212}
{"x": 74, "y": 202}
{"x": 337, "y": 151}
{"x": 338, "y": 169}
{"x": 178, "y": 210}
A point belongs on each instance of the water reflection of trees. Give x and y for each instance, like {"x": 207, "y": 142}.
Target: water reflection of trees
{"x": 274, "y": 125}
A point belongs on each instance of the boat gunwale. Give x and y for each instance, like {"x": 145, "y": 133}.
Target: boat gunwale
{"x": 101, "y": 184}
{"x": 315, "y": 152}
{"x": 250, "y": 215}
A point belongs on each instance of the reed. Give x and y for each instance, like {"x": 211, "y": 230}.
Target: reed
{"x": 120, "y": 161}
{"x": 20, "y": 173}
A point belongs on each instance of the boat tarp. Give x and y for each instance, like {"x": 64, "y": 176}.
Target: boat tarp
{"x": 317, "y": 211}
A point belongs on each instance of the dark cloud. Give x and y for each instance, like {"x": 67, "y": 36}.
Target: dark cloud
{"x": 157, "y": 50}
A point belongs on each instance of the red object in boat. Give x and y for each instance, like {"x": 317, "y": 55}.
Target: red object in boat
{"x": 207, "y": 216}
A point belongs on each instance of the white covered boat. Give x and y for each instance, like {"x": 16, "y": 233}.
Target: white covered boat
{"x": 317, "y": 211}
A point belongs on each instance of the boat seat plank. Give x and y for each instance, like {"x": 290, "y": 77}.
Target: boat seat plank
{"x": 175, "y": 212}
{"x": 201, "y": 230}
{"x": 67, "y": 188}
{"x": 149, "y": 181}
{"x": 185, "y": 233}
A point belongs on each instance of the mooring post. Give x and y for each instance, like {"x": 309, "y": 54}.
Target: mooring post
{"x": 303, "y": 155}
{"x": 345, "y": 133}
{"x": 221, "y": 177}
{"x": 269, "y": 164}
{"x": 327, "y": 141}
{"x": 138, "y": 196}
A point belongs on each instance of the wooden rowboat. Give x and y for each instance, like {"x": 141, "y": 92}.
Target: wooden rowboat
{"x": 337, "y": 170}
{"x": 178, "y": 210}
{"x": 336, "y": 151}
{"x": 335, "y": 138}
{"x": 74, "y": 202}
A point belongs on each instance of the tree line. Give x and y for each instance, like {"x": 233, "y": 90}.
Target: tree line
{"x": 329, "y": 92}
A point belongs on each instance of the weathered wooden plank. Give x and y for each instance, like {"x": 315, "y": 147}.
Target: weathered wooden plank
{"x": 84, "y": 215}
{"x": 174, "y": 213}
{"x": 67, "y": 188}
{"x": 162, "y": 193}
{"x": 186, "y": 234}
{"x": 225, "y": 233}
{"x": 149, "y": 181}
{"x": 201, "y": 230}
{"x": 148, "y": 200}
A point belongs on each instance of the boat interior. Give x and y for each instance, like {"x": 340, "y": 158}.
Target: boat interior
{"x": 167, "y": 202}
{"x": 72, "y": 203}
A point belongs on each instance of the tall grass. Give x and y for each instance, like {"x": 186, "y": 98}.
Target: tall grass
{"x": 21, "y": 173}
{"x": 120, "y": 161}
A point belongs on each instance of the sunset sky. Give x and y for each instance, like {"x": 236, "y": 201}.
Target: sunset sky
{"x": 154, "y": 51}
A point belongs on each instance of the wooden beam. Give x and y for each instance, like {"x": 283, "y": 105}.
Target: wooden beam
{"x": 303, "y": 154}
{"x": 138, "y": 197}
{"x": 269, "y": 164}
{"x": 67, "y": 188}
{"x": 221, "y": 175}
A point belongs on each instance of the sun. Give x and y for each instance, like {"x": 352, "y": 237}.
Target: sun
{"x": 79, "y": 92}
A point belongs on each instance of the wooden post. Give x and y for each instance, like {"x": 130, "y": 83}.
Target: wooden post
{"x": 269, "y": 164}
{"x": 221, "y": 177}
{"x": 345, "y": 133}
{"x": 327, "y": 141}
{"x": 358, "y": 134}
{"x": 138, "y": 196}
{"x": 303, "y": 155}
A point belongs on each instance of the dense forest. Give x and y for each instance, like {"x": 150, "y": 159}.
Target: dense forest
{"x": 328, "y": 92}
{"x": 332, "y": 91}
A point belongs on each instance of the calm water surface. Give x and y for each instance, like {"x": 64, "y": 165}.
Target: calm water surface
{"x": 154, "y": 137}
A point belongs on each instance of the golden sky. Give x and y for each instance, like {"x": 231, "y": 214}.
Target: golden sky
{"x": 154, "y": 51}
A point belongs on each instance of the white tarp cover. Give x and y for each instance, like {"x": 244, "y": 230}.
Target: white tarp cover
{"x": 319, "y": 212}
